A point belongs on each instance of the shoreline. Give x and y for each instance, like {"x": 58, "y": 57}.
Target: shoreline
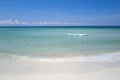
{"x": 108, "y": 57}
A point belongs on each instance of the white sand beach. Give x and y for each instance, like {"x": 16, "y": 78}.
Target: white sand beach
{"x": 59, "y": 53}
{"x": 21, "y": 70}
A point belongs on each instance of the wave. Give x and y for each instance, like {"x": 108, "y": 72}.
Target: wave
{"x": 109, "y": 57}
{"x": 76, "y": 34}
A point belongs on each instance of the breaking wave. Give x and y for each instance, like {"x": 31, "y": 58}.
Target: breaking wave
{"x": 109, "y": 57}
{"x": 77, "y": 34}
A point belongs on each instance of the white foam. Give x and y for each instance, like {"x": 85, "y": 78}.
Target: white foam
{"x": 76, "y": 34}
{"x": 111, "y": 57}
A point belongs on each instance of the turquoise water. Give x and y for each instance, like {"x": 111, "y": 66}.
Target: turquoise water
{"x": 59, "y": 42}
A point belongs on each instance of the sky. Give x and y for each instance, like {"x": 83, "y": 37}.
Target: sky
{"x": 60, "y": 12}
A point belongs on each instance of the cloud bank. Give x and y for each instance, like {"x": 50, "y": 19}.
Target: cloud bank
{"x": 18, "y": 22}
{"x": 12, "y": 22}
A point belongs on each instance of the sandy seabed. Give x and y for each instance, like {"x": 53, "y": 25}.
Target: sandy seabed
{"x": 25, "y": 70}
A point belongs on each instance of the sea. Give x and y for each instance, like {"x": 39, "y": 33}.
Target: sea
{"x": 60, "y": 44}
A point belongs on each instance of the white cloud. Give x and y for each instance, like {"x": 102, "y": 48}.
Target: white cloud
{"x": 55, "y": 23}
{"x": 18, "y": 22}
{"x": 12, "y": 22}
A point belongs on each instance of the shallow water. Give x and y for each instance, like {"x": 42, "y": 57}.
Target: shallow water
{"x": 46, "y": 43}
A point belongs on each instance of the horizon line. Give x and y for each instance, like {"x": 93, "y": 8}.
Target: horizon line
{"x": 32, "y": 26}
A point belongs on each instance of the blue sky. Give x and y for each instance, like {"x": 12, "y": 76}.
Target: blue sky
{"x": 60, "y": 12}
